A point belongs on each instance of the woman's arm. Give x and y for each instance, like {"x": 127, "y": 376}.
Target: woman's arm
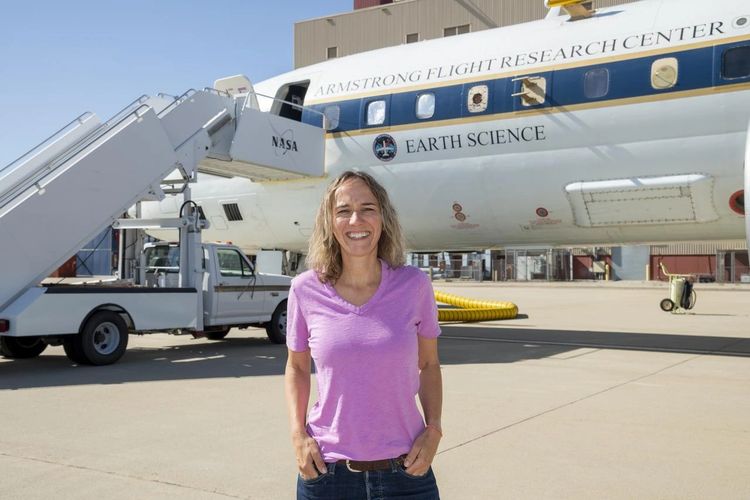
{"x": 425, "y": 447}
{"x": 297, "y": 387}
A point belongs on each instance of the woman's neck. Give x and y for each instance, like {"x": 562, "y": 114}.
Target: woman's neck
{"x": 360, "y": 272}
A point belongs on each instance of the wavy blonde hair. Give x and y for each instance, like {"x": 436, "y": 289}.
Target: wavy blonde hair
{"x": 324, "y": 252}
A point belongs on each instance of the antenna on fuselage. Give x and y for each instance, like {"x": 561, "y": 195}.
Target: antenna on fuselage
{"x": 576, "y": 9}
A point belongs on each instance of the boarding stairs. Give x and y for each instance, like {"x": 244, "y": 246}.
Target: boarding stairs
{"x": 75, "y": 184}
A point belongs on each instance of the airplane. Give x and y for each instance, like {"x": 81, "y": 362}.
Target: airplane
{"x": 627, "y": 124}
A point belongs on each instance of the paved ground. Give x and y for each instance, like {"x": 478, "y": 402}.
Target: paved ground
{"x": 593, "y": 393}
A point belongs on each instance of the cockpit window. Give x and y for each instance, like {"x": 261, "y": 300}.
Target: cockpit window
{"x": 736, "y": 63}
{"x": 425, "y": 106}
{"x": 596, "y": 83}
{"x": 376, "y": 113}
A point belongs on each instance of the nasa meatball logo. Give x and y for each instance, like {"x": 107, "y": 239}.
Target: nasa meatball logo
{"x": 384, "y": 147}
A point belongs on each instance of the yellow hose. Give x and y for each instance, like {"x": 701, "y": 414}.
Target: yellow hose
{"x": 474, "y": 310}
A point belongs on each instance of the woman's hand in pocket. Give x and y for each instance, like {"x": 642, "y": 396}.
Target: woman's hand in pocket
{"x": 309, "y": 459}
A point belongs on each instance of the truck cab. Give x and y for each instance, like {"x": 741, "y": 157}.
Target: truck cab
{"x": 234, "y": 293}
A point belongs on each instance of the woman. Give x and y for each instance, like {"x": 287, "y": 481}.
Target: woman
{"x": 370, "y": 325}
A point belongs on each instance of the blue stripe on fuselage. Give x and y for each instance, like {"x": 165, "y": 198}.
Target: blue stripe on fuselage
{"x": 629, "y": 78}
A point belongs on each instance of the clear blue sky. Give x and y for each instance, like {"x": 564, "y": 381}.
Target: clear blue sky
{"x": 59, "y": 59}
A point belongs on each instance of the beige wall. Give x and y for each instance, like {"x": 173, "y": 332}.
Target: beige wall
{"x": 388, "y": 25}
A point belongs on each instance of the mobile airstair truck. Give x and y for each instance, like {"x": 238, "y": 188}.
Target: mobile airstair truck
{"x": 81, "y": 180}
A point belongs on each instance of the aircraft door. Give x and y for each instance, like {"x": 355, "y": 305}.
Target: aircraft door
{"x": 290, "y": 100}
{"x": 238, "y": 290}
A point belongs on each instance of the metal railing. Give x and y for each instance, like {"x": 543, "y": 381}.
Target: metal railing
{"x": 35, "y": 177}
{"x": 292, "y": 104}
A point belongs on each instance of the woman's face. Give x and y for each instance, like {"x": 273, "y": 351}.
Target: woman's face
{"x": 357, "y": 221}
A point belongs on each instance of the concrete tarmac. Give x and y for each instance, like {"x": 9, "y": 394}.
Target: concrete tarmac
{"x": 592, "y": 393}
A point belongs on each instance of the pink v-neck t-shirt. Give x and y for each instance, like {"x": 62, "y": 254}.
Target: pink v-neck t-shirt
{"x": 366, "y": 361}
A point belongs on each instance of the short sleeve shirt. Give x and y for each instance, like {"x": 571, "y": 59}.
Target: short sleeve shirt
{"x": 366, "y": 361}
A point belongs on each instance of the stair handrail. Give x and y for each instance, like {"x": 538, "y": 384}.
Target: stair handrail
{"x": 177, "y": 100}
{"x": 217, "y": 91}
{"x": 81, "y": 119}
{"x": 49, "y": 167}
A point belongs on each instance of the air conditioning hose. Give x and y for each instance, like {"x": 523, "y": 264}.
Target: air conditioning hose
{"x": 474, "y": 310}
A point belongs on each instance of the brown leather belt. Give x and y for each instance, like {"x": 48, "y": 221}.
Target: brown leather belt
{"x": 372, "y": 465}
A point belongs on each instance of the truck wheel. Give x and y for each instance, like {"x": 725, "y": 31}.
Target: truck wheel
{"x": 276, "y": 329}
{"x": 72, "y": 346}
{"x": 218, "y": 334}
{"x": 103, "y": 339}
{"x": 21, "y": 347}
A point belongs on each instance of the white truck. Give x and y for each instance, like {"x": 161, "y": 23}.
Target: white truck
{"x": 92, "y": 322}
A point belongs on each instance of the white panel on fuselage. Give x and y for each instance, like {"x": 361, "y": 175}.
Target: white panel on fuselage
{"x": 658, "y": 200}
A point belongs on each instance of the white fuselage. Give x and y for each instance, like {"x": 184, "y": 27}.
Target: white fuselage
{"x": 637, "y": 164}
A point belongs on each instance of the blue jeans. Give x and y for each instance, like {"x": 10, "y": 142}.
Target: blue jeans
{"x": 339, "y": 483}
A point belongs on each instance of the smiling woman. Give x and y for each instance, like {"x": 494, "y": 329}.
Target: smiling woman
{"x": 325, "y": 252}
{"x": 370, "y": 324}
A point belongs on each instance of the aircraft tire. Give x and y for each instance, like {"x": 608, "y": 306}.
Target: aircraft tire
{"x": 276, "y": 328}
{"x": 21, "y": 347}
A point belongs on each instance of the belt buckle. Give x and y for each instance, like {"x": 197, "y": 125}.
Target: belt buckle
{"x": 348, "y": 466}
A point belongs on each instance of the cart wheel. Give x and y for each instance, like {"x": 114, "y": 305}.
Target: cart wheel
{"x": 692, "y": 300}
{"x": 666, "y": 305}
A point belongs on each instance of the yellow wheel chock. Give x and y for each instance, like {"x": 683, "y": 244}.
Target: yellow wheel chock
{"x": 474, "y": 310}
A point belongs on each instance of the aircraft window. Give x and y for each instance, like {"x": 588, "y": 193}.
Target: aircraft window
{"x": 596, "y": 83}
{"x": 476, "y": 99}
{"x": 332, "y": 114}
{"x": 425, "y": 106}
{"x": 376, "y": 113}
{"x": 664, "y": 73}
{"x": 736, "y": 63}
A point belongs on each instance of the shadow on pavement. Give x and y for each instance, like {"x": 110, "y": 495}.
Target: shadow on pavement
{"x": 463, "y": 344}
{"x": 186, "y": 359}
